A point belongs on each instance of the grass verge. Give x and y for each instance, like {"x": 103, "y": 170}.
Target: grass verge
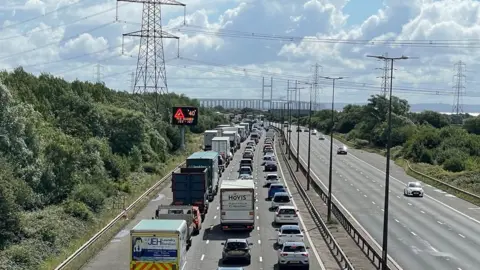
{"x": 193, "y": 144}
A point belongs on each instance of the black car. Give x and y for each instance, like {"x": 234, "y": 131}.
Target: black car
{"x": 270, "y": 166}
{"x": 236, "y": 249}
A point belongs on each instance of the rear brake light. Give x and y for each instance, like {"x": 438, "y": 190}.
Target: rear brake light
{"x": 283, "y": 254}
{"x": 305, "y": 254}
{"x": 299, "y": 235}
{"x": 178, "y": 203}
{"x": 225, "y": 227}
{"x": 250, "y": 213}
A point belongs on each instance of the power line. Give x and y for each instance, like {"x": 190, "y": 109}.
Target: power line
{"x": 41, "y": 16}
{"x": 470, "y": 43}
{"x": 55, "y": 43}
{"x": 459, "y": 87}
{"x": 37, "y": 30}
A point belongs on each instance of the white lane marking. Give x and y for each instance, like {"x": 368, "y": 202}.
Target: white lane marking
{"x": 461, "y": 235}
{"x": 373, "y": 202}
{"x": 413, "y": 233}
{"x": 382, "y": 210}
{"x": 397, "y": 220}
{"x": 259, "y": 241}
{"x": 258, "y": 228}
{"x": 353, "y": 218}
{"x": 322, "y": 266}
{"x": 203, "y": 257}
{"x": 358, "y": 189}
{"x": 409, "y": 204}
{"x": 364, "y": 195}
{"x": 218, "y": 207}
{"x": 403, "y": 183}
{"x": 183, "y": 266}
{"x": 208, "y": 241}
{"x": 474, "y": 208}
{"x": 257, "y": 217}
{"x": 215, "y": 217}
{"x": 439, "y": 222}
{"x": 260, "y": 259}
{"x": 423, "y": 212}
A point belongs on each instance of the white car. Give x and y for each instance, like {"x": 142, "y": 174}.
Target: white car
{"x": 289, "y": 233}
{"x": 314, "y": 132}
{"x": 271, "y": 178}
{"x": 249, "y": 148}
{"x": 286, "y": 214}
{"x": 321, "y": 137}
{"x": 413, "y": 189}
{"x": 280, "y": 198}
{"x": 293, "y": 254}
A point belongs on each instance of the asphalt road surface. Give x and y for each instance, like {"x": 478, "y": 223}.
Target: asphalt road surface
{"x": 438, "y": 231}
{"x": 206, "y": 250}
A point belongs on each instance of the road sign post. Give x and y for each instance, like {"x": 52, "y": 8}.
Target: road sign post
{"x": 184, "y": 116}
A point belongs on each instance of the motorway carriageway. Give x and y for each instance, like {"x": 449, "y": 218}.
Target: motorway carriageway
{"x": 436, "y": 232}
{"x": 206, "y": 250}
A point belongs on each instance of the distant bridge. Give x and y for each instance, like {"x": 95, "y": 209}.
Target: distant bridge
{"x": 257, "y": 104}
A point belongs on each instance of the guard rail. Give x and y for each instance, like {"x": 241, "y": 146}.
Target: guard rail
{"x": 367, "y": 249}
{"x": 114, "y": 221}
{"x": 334, "y": 247}
{"x": 475, "y": 199}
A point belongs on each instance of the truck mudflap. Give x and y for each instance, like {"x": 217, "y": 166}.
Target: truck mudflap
{"x": 153, "y": 266}
{"x": 237, "y": 227}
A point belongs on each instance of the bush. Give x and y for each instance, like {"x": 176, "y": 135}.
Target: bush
{"x": 67, "y": 150}
{"x": 454, "y": 164}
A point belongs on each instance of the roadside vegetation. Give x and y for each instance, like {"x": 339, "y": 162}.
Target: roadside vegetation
{"x": 71, "y": 153}
{"x": 446, "y": 147}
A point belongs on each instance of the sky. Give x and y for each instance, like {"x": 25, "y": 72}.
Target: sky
{"x": 226, "y": 47}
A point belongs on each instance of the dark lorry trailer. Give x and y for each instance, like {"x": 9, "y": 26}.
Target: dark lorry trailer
{"x": 208, "y": 160}
{"x": 190, "y": 187}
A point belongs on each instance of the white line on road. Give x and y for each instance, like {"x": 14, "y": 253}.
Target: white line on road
{"x": 461, "y": 235}
{"x": 208, "y": 241}
{"x": 260, "y": 259}
{"x": 413, "y": 233}
{"x": 259, "y": 241}
{"x": 203, "y": 257}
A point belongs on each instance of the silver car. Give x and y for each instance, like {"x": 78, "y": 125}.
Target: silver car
{"x": 413, "y": 189}
{"x": 293, "y": 254}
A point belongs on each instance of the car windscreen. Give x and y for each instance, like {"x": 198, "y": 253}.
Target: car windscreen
{"x": 236, "y": 245}
{"x": 293, "y": 249}
{"x": 287, "y": 211}
{"x": 414, "y": 185}
{"x": 283, "y": 198}
{"x": 291, "y": 231}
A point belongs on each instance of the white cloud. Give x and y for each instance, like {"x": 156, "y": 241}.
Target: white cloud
{"x": 41, "y": 44}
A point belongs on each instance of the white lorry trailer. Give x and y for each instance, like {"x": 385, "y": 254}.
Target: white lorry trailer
{"x": 237, "y": 204}
{"x": 232, "y": 135}
{"x": 208, "y": 135}
{"x": 242, "y": 132}
{"x": 221, "y": 145}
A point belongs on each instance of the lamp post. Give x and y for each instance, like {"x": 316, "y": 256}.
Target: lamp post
{"x": 298, "y": 126}
{"x": 329, "y": 207}
{"x": 387, "y": 169}
{"x": 289, "y": 150}
{"x": 310, "y": 135}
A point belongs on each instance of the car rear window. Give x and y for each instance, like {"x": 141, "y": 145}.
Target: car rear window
{"x": 281, "y": 198}
{"x": 236, "y": 245}
{"x": 293, "y": 249}
{"x": 271, "y": 177}
{"x": 287, "y": 212}
{"x": 291, "y": 231}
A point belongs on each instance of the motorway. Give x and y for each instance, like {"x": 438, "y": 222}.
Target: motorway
{"x": 438, "y": 231}
{"x": 206, "y": 250}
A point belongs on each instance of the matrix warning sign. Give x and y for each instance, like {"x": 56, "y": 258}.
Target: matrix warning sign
{"x": 184, "y": 116}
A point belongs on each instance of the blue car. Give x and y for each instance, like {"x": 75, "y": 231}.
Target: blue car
{"x": 274, "y": 188}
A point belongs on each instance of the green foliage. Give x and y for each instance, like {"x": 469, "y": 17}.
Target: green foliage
{"x": 67, "y": 150}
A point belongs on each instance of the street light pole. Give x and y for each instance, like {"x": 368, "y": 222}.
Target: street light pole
{"x": 309, "y": 138}
{"x": 330, "y": 167}
{"x": 387, "y": 169}
{"x": 298, "y": 126}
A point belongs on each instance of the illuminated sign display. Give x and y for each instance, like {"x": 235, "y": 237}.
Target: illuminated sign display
{"x": 184, "y": 116}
